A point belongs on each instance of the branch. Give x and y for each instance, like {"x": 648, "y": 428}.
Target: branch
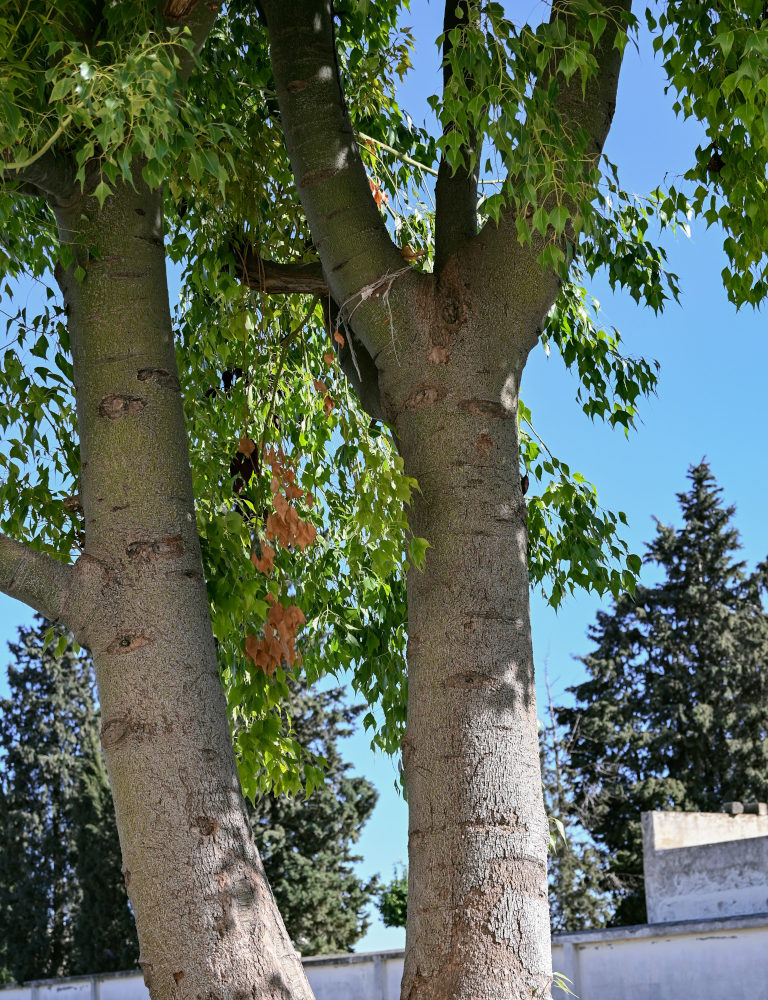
{"x": 346, "y": 226}
{"x": 279, "y": 279}
{"x": 455, "y": 193}
{"x": 36, "y": 579}
{"x": 198, "y": 17}
{"x": 307, "y": 278}
{"x": 592, "y": 109}
{"x": 45, "y": 174}
{"x": 358, "y": 366}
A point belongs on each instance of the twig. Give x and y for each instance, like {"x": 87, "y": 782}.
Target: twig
{"x": 18, "y": 165}
{"x": 284, "y": 345}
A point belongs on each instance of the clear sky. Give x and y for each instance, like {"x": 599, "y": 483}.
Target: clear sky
{"x": 711, "y": 402}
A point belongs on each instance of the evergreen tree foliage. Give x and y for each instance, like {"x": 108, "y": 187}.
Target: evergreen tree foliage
{"x": 579, "y": 884}
{"x": 674, "y": 713}
{"x": 306, "y": 844}
{"x": 61, "y": 909}
{"x": 393, "y": 899}
{"x": 105, "y": 934}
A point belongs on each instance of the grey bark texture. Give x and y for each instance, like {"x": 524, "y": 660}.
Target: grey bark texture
{"x": 207, "y": 922}
{"x": 450, "y": 349}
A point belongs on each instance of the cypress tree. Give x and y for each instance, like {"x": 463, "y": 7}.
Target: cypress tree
{"x": 393, "y": 899}
{"x": 52, "y": 778}
{"x": 306, "y": 845}
{"x": 674, "y": 713}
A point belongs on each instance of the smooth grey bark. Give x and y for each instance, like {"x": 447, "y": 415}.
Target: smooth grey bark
{"x": 207, "y": 922}
{"x": 450, "y": 349}
{"x": 478, "y": 919}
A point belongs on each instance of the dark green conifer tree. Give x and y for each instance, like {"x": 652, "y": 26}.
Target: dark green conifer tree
{"x": 104, "y": 936}
{"x": 306, "y": 845}
{"x": 52, "y": 778}
{"x": 675, "y": 712}
{"x": 579, "y": 881}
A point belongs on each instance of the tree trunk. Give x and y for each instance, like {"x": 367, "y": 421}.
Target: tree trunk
{"x": 207, "y": 922}
{"x": 478, "y": 919}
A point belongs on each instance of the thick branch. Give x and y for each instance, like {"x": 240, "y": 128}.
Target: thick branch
{"x": 36, "y": 579}
{"x": 590, "y": 112}
{"x": 592, "y": 109}
{"x": 197, "y": 16}
{"x": 354, "y": 246}
{"x": 49, "y": 175}
{"x": 455, "y": 193}
{"x": 280, "y": 279}
{"x": 358, "y": 366}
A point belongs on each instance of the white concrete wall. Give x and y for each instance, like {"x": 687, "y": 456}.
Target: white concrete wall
{"x": 663, "y": 831}
{"x": 702, "y": 865}
{"x": 704, "y": 959}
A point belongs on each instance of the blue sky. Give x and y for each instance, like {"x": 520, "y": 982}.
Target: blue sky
{"x": 712, "y": 402}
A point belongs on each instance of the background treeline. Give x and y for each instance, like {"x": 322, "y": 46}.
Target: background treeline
{"x": 63, "y": 905}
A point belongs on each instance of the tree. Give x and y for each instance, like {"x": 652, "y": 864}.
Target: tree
{"x": 579, "y": 887}
{"x": 104, "y": 934}
{"x": 60, "y": 911}
{"x": 306, "y": 845}
{"x": 100, "y": 109}
{"x": 673, "y": 714}
{"x": 393, "y": 900}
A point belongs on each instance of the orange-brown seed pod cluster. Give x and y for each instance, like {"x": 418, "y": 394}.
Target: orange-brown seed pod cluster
{"x": 287, "y": 528}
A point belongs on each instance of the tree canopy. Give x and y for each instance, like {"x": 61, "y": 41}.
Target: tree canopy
{"x": 349, "y": 346}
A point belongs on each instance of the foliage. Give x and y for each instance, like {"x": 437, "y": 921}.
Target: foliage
{"x": 63, "y": 907}
{"x": 716, "y": 59}
{"x": 306, "y": 844}
{"x": 393, "y": 899}
{"x": 103, "y": 88}
{"x": 673, "y": 714}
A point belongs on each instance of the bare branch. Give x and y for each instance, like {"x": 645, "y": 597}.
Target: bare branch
{"x": 455, "y": 193}
{"x": 280, "y": 279}
{"x": 36, "y": 579}
{"x": 347, "y": 229}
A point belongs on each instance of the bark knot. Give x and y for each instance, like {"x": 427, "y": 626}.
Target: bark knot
{"x": 120, "y": 728}
{"x": 207, "y": 825}
{"x": 115, "y": 406}
{"x": 439, "y": 355}
{"x": 150, "y": 549}
{"x": 424, "y": 395}
{"x": 484, "y": 444}
{"x": 127, "y": 644}
{"x": 162, "y": 377}
{"x": 484, "y": 408}
{"x": 313, "y": 177}
{"x": 178, "y": 10}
